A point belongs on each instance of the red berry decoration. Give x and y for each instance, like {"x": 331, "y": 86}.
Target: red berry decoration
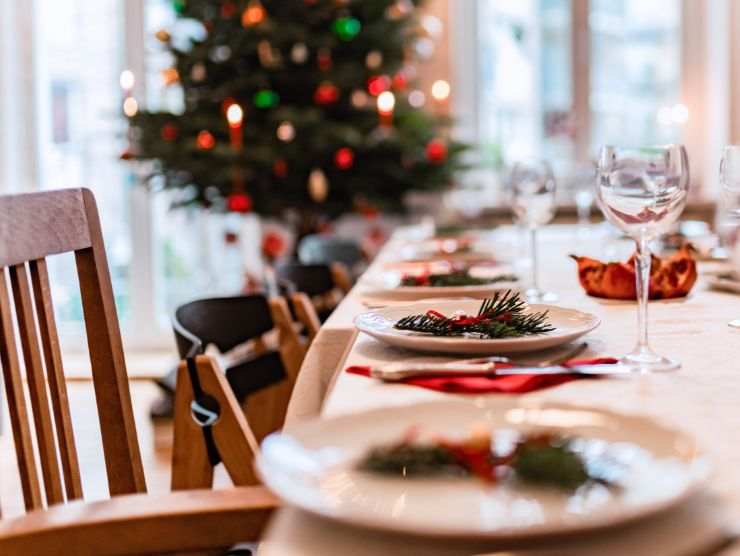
{"x": 326, "y": 93}
{"x": 436, "y": 151}
{"x": 280, "y": 168}
{"x": 273, "y": 245}
{"x": 377, "y": 84}
{"x": 205, "y": 141}
{"x": 344, "y": 158}
{"x": 169, "y": 132}
{"x": 239, "y": 202}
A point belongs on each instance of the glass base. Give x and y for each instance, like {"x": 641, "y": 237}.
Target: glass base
{"x": 535, "y": 295}
{"x": 734, "y": 323}
{"x": 647, "y": 361}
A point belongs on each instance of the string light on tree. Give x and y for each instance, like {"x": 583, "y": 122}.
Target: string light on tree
{"x": 253, "y": 14}
{"x": 359, "y": 99}
{"x": 386, "y": 103}
{"x": 344, "y": 158}
{"x": 432, "y": 25}
{"x": 299, "y": 53}
{"x": 285, "y": 132}
{"x": 235, "y": 117}
{"x": 205, "y": 140}
{"x": 417, "y": 98}
{"x": 130, "y": 107}
{"x": 163, "y": 35}
{"x": 440, "y": 90}
{"x": 198, "y": 72}
{"x": 220, "y": 54}
{"x": 269, "y": 58}
{"x": 424, "y": 48}
{"x": 399, "y": 9}
{"x": 170, "y": 76}
{"x": 127, "y": 81}
{"x": 318, "y": 185}
{"x": 374, "y": 59}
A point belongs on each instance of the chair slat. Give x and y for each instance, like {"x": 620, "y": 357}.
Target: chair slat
{"x": 17, "y": 402}
{"x": 36, "y": 384}
{"x": 55, "y": 376}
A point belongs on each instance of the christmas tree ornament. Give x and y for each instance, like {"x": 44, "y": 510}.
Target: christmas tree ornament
{"x": 359, "y": 98}
{"x": 253, "y": 14}
{"x": 178, "y": 6}
{"x": 274, "y": 245}
{"x": 399, "y": 9}
{"x": 205, "y": 140}
{"x": 280, "y": 168}
{"x": 130, "y": 107}
{"x": 417, "y": 98}
{"x": 344, "y": 158}
{"x": 377, "y": 84}
{"x": 299, "y": 53}
{"x": 374, "y": 59}
{"x": 228, "y": 9}
{"x": 170, "y": 76}
{"x": 169, "y": 132}
{"x": 162, "y": 35}
{"x": 400, "y": 81}
{"x": 269, "y": 58}
{"x": 285, "y": 132}
{"x": 220, "y": 54}
{"x": 239, "y": 201}
{"x": 346, "y": 28}
{"x": 198, "y": 72}
{"x": 436, "y": 151}
{"x": 326, "y": 93}
{"x": 265, "y": 98}
{"x": 323, "y": 59}
{"x": 318, "y": 186}
{"x": 424, "y": 48}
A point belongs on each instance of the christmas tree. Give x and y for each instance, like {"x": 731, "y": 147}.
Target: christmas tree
{"x": 300, "y": 108}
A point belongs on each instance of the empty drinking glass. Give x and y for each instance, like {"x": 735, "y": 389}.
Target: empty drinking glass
{"x": 533, "y": 202}
{"x": 729, "y": 208}
{"x": 643, "y": 192}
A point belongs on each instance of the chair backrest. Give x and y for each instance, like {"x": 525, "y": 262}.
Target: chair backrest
{"x": 34, "y": 226}
{"x": 311, "y": 279}
{"x": 224, "y": 322}
{"x": 318, "y": 249}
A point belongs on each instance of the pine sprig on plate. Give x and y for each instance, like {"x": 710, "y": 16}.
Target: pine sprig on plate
{"x": 455, "y": 278}
{"x": 501, "y": 316}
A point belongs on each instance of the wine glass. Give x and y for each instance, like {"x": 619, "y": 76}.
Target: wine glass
{"x": 643, "y": 192}
{"x": 729, "y": 210}
{"x": 533, "y": 201}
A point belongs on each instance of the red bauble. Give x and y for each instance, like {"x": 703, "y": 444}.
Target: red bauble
{"x": 239, "y": 202}
{"x": 280, "y": 168}
{"x": 399, "y": 81}
{"x": 326, "y": 93}
{"x": 169, "y": 132}
{"x": 377, "y": 84}
{"x": 205, "y": 140}
{"x": 436, "y": 151}
{"x": 344, "y": 158}
{"x": 228, "y": 10}
{"x": 273, "y": 245}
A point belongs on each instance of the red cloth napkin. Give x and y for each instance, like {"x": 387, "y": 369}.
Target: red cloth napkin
{"x": 481, "y": 384}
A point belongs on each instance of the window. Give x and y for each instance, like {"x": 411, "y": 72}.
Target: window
{"x": 557, "y": 79}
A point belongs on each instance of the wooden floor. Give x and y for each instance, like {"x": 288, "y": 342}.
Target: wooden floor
{"x": 155, "y": 442}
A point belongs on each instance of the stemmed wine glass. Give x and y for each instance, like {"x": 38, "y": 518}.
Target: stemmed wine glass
{"x": 533, "y": 202}
{"x": 729, "y": 209}
{"x": 643, "y": 192}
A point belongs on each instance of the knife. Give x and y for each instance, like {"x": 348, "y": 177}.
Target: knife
{"x": 400, "y": 371}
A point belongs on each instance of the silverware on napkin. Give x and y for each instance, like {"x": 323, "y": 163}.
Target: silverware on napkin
{"x": 400, "y": 371}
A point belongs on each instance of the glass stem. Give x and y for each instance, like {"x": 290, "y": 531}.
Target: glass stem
{"x": 642, "y": 275}
{"x": 533, "y": 249}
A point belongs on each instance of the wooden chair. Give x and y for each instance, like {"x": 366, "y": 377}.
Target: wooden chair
{"x": 319, "y": 288}
{"x": 33, "y": 227}
{"x": 262, "y": 381}
{"x": 321, "y": 249}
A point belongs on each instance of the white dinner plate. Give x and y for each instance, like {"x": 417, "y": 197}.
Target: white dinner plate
{"x": 569, "y": 324}
{"x": 313, "y": 467}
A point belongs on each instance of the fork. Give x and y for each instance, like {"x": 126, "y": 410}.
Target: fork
{"x": 562, "y": 358}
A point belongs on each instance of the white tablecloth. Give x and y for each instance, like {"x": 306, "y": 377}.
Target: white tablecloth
{"x": 703, "y": 398}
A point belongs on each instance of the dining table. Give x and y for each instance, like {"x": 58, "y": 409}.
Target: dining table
{"x": 702, "y": 398}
